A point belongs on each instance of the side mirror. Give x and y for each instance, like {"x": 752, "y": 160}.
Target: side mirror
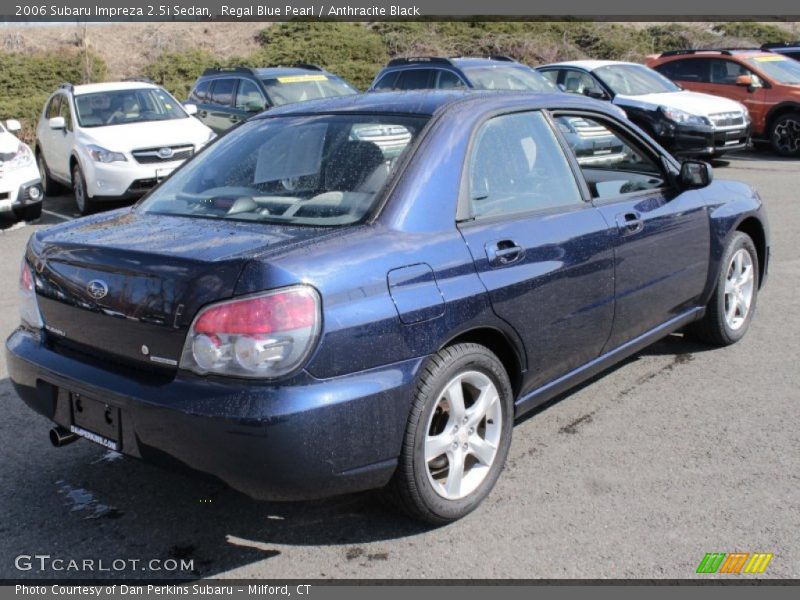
{"x": 696, "y": 174}
{"x": 191, "y": 109}
{"x": 255, "y": 106}
{"x": 13, "y": 125}
{"x": 58, "y": 123}
{"x": 744, "y": 81}
{"x": 596, "y": 94}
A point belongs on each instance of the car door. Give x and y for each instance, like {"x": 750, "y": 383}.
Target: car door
{"x": 219, "y": 112}
{"x": 661, "y": 235}
{"x": 248, "y": 96}
{"x": 201, "y": 96}
{"x": 542, "y": 251}
{"x": 47, "y": 137}
{"x": 62, "y": 141}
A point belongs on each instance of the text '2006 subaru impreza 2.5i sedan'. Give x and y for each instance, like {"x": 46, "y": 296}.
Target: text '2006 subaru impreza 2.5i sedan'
{"x": 302, "y": 312}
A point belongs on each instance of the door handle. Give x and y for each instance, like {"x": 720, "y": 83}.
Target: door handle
{"x": 503, "y": 253}
{"x": 630, "y": 222}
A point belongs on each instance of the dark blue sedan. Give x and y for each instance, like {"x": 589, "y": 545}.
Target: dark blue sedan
{"x": 365, "y": 292}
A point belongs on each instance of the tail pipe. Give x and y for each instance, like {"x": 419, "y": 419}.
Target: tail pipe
{"x": 61, "y": 437}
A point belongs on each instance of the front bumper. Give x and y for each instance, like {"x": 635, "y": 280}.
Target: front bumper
{"x": 119, "y": 180}
{"x": 15, "y": 189}
{"x": 696, "y": 140}
{"x": 304, "y": 439}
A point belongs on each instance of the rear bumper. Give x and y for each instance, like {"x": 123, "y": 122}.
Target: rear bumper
{"x": 304, "y": 439}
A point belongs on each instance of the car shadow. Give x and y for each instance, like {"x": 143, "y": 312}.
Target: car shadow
{"x": 84, "y": 501}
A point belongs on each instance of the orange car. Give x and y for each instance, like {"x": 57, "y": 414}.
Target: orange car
{"x": 768, "y": 84}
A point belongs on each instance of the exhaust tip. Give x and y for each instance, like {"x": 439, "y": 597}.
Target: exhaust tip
{"x": 61, "y": 437}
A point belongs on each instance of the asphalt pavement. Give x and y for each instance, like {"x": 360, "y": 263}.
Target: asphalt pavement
{"x": 680, "y": 451}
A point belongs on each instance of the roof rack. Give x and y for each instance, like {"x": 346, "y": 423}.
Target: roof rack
{"x": 779, "y": 45}
{"x": 66, "y": 86}
{"x": 218, "y": 70}
{"x": 308, "y": 66}
{"x": 725, "y": 51}
{"x": 502, "y": 57}
{"x": 420, "y": 59}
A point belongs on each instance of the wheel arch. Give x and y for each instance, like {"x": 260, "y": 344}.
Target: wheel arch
{"x": 501, "y": 345}
{"x": 777, "y": 111}
{"x": 755, "y": 230}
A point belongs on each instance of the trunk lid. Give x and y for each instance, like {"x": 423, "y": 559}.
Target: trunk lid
{"x": 125, "y": 286}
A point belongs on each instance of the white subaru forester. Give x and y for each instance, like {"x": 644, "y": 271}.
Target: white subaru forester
{"x": 20, "y": 189}
{"x": 113, "y": 141}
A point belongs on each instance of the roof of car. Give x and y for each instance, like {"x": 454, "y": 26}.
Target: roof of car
{"x": 428, "y": 102}
{"x": 110, "y": 86}
{"x": 267, "y": 72}
{"x": 458, "y": 62}
{"x": 590, "y": 65}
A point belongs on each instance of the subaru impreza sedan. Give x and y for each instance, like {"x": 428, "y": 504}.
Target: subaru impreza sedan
{"x": 301, "y": 312}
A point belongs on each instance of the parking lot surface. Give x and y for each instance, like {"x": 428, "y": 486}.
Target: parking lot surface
{"x": 679, "y": 451}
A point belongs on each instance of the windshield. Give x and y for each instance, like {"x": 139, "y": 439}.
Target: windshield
{"x": 119, "y": 107}
{"x": 508, "y": 78}
{"x": 634, "y": 80}
{"x": 322, "y": 170}
{"x": 781, "y": 69}
{"x": 298, "y": 88}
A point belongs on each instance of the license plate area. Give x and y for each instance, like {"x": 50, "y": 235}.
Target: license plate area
{"x": 95, "y": 420}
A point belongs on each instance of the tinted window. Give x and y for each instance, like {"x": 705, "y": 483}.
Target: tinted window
{"x": 386, "y": 82}
{"x": 551, "y": 76}
{"x": 200, "y": 92}
{"x": 52, "y": 108}
{"x": 414, "y": 79}
{"x": 447, "y": 80}
{"x": 695, "y": 69}
{"x": 248, "y": 96}
{"x": 611, "y": 162}
{"x": 65, "y": 112}
{"x": 222, "y": 92}
{"x": 321, "y": 170}
{"x": 517, "y": 165}
{"x": 726, "y": 71}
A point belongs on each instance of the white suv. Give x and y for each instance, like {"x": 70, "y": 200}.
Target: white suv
{"x": 20, "y": 188}
{"x": 114, "y": 140}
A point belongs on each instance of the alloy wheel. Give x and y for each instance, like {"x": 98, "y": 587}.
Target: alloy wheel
{"x": 739, "y": 287}
{"x": 786, "y": 136}
{"x": 79, "y": 190}
{"x": 463, "y": 435}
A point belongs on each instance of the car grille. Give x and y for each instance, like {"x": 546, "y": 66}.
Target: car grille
{"x": 157, "y": 155}
{"x": 727, "y": 119}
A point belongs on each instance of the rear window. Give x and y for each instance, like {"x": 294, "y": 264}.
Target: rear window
{"x": 289, "y": 89}
{"x": 325, "y": 170}
{"x": 508, "y": 78}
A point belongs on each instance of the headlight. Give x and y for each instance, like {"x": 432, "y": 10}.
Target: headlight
{"x": 682, "y": 117}
{"x": 22, "y": 157}
{"x": 105, "y": 156}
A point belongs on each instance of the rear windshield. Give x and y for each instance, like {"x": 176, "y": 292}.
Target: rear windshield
{"x": 323, "y": 170}
{"x": 120, "y": 107}
{"x": 508, "y": 78}
{"x": 298, "y": 88}
{"x": 781, "y": 69}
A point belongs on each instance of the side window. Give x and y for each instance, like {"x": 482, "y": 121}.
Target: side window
{"x": 414, "y": 79}
{"x": 576, "y": 82}
{"x": 726, "y": 71}
{"x": 551, "y": 75}
{"x": 64, "y": 111}
{"x": 693, "y": 69}
{"x": 611, "y": 162}
{"x": 222, "y": 92}
{"x": 447, "y": 80}
{"x": 517, "y": 165}
{"x": 53, "y": 107}
{"x": 387, "y": 82}
{"x": 248, "y": 95}
{"x": 200, "y": 92}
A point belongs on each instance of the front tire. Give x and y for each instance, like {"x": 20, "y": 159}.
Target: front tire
{"x": 82, "y": 199}
{"x": 785, "y": 135}
{"x": 457, "y": 437}
{"x": 730, "y": 311}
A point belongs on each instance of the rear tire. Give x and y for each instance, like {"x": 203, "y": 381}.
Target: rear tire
{"x": 457, "y": 437}
{"x": 85, "y": 204}
{"x": 785, "y": 135}
{"x": 50, "y": 187}
{"x": 730, "y": 311}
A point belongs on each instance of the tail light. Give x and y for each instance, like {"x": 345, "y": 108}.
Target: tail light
{"x": 28, "y": 306}
{"x": 266, "y": 335}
